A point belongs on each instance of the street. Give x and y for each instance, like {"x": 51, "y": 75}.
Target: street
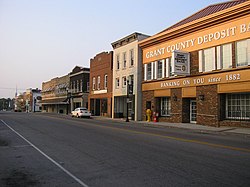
{"x": 57, "y": 150}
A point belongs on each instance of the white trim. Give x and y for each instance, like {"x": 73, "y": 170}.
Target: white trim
{"x": 145, "y": 71}
{"x": 167, "y": 67}
{"x": 163, "y": 68}
{"x": 219, "y": 60}
{"x": 201, "y": 67}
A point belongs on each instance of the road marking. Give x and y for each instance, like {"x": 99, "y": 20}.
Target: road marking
{"x": 49, "y": 158}
{"x": 164, "y": 136}
{"x": 185, "y": 140}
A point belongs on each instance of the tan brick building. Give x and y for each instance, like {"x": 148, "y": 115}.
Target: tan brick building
{"x": 197, "y": 71}
{"x": 54, "y": 95}
{"x": 101, "y": 78}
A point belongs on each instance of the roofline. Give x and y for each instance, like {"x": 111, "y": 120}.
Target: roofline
{"x": 135, "y": 35}
{"x": 212, "y": 19}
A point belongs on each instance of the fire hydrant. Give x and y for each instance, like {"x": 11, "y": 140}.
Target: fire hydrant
{"x": 148, "y": 113}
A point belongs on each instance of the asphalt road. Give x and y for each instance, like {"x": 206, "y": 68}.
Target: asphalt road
{"x": 54, "y": 150}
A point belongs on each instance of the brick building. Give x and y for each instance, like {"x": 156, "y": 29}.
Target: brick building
{"x": 54, "y": 95}
{"x": 100, "y": 97}
{"x": 197, "y": 71}
{"x": 79, "y": 88}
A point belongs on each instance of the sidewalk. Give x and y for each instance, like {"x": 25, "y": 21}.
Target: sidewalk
{"x": 190, "y": 126}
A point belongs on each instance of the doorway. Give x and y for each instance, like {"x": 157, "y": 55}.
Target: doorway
{"x": 193, "y": 111}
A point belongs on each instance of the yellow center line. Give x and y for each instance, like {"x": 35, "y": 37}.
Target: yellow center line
{"x": 169, "y": 137}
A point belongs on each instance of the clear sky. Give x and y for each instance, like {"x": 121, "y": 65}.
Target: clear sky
{"x": 43, "y": 39}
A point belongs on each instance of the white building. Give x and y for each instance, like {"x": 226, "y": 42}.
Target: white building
{"x": 127, "y": 68}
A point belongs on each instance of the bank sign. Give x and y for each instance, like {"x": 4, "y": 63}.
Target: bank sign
{"x": 213, "y": 36}
{"x": 180, "y": 63}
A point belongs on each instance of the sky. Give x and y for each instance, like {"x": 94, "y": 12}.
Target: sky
{"x": 44, "y": 39}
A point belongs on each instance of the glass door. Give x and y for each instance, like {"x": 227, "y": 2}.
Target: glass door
{"x": 193, "y": 111}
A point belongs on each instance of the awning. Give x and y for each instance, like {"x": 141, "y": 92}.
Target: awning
{"x": 58, "y": 101}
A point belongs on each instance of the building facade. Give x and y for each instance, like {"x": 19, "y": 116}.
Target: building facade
{"x": 127, "y": 69}
{"x": 33, "y": 100}
{"x": 54, "y": 95}
{"x": 79, "y": 88}
{"x": 101, "y": 77}
{"x": 197, "y": 71}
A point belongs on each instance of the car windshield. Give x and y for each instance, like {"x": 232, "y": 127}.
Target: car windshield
{"x": 83, "y": 108}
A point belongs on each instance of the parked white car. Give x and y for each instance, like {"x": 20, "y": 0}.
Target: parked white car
{"x": 81, "y": 112}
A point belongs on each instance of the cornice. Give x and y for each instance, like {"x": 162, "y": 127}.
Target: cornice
{"x": 202, "y": 23}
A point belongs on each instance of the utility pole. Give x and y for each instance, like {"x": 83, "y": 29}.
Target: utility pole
{"x": 127, "y": 120}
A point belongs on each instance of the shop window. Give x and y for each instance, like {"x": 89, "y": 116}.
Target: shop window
{"x": 165, "y": 106}
{"x": 243, "y": 53}
{"x": 131, "y": 52}
{"x": 238, "y": 106}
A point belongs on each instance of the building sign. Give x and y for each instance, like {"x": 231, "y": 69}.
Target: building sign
{"x": 180, "y": 63}
{"x": 221, "y": 78}
{"x": 223, "y": 33}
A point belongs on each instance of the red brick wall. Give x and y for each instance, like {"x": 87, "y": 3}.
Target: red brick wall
{"x": 101, "y": 65}
{"x": 208, "y": 110}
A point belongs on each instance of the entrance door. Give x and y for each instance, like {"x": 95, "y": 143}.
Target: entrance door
{"x": 97, "y": 107}
{"x": 193, "y": 111}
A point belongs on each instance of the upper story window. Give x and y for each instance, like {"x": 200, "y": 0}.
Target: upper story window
{"x": 243, "y": 53}
{"x": 124, "y": 60}
{"x": 118, "y": 62}
{"x": 77, "y": 86}
{"x": 131, "y": 57}
{"x": 207, "y": 60}
{"x": 87, "y": 86}
{"x": 81, "y": 85}
{"x": 98, "y": 82}
{"x": 93, "y": 86}
{"x": 160, "y": 69}
{"x": 105, "y": 81}
{"x": 224, "y": 56}
{"x": 149, "y": 71}
{"x": 117, "y": 82}
{"x": 124, "y": 81}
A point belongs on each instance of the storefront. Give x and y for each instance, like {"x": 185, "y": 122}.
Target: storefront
{"x": 197, "y": 71}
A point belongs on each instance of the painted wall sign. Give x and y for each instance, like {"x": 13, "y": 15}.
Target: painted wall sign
{"x": 216, "y": 35}
{"x": 222, "y": 78}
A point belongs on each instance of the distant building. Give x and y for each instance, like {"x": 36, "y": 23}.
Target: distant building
{"x": 101, "y": 76}
{"x": 79, "y": 87}
{"x": 127, "y": 69}
{"x": 33, "y": 100}
{"x": 54, "y": 95}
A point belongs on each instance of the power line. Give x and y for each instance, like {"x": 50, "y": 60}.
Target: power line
{"x": 2, "y": 88}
